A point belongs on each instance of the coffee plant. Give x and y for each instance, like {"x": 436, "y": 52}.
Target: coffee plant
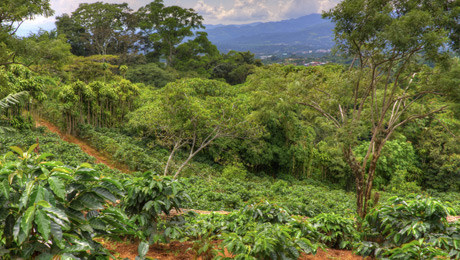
{"x": 50, "y": 211}
{"x": 150, "y": 195}
{"x": 336, "y": 231}
{"x": 416, "y": 226}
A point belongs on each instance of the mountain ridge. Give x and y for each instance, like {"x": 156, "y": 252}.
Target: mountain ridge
{"x": 306, "y": 33}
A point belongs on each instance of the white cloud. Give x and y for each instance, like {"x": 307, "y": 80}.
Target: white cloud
{"x": 242, "y": 10}
{"x": 296, "y": 8}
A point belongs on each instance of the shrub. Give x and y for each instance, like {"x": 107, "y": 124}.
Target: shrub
{"x": 336, "y": 231}
{"x": 267, "y": 241}
{"x": 51, "y": 211}
{"x": 150, "y": 195}
{"x": 266, "y": 212}
{"x": 406, "y": 225}
{"x": 235, "y": 171}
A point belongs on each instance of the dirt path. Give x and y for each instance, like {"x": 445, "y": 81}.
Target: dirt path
{"x": 100, "y": 158}
{"x": 180, "y": 251}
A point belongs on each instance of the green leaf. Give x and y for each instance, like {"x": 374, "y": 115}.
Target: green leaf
{"x": 32, "y": 148}
{"x": 56, "y": 231}
{"x": 5, "y": 189}
{"x": 43, "y": 224}
{"x": 17, "y": 150}
{"x": 105, "y": 194}
{"x": 90, "y": 201}
{"x": 57, "y": 186}
{"x": 44, "y": 156}
{"x": 26, "y": 222}
{"x": 26, "y": 194}
{"x": 43, "y": 203}
{"x": 57, "y": 212}
{"x": 143, "y": 249}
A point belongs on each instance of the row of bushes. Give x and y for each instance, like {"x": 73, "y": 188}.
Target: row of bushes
{"x": 122, "y": 148}
{"x": 415, "y": 228}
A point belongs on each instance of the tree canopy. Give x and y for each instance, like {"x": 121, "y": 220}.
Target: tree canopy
{"x": 193, "y": 113}
{"x": 167, "y": 26}
{"x": 386, "y": 89}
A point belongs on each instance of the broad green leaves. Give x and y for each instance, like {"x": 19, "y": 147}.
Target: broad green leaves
{"x": 151, "y": 195}
{"x": 415, "y": 228}
{"x": 46, "y": 203}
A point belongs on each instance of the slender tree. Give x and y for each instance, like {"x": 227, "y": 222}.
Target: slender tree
{"x": 382, "y": 90}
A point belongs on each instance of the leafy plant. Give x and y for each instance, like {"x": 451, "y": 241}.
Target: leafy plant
{"x": 406, "y": 225}
{"x": 150, "y": 195}
{"x": 266, "y": 212}
{"x": 267, "y": 241}
{"x": 417, "y": 250}
{"x": 52, "y": 211}
{"x": 336, "y": 231}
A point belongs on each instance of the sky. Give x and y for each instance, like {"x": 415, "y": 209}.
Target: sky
{"x": 213, "y": 11}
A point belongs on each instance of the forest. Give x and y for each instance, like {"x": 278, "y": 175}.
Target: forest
{"x": 210, "y": 155}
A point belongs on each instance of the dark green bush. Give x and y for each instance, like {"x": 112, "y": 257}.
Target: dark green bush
{"x": 149, "y": 195}
{"x": 50, "y": 211}
{"x": 406, "y": 226}
{"x": 336, "y": 231}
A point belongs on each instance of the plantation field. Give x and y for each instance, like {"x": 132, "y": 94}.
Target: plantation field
{"x": 127, "y": 135}
{"x": 245, "y": 199}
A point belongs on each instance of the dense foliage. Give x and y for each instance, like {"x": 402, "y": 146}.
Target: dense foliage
{"x": 362, "y": 157}
{"x": 50, "y": 210}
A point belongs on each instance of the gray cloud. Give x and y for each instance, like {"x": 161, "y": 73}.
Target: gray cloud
{"x": 241, "y": 11}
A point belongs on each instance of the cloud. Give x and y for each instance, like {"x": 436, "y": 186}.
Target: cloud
{"x": 242, "y": 10}
{"x": 296, "y": 8}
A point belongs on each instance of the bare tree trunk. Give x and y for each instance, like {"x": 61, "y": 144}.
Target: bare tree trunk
{"x": 176, "y": 146}
{"x": 193, "y": 153}
{"x": 358, "y": 171}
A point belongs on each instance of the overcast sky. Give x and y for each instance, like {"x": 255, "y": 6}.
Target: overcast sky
{"x": 213, "y": 11}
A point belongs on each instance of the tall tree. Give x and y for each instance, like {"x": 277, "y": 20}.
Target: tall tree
{"x": 105, "y": 28}
{"x": 74, "y": 33}
{"x": 192, "y": 114}
{"x": 12, "y": 14}
{"x": 384, "y": 91}
{"x": 167, "y": 26}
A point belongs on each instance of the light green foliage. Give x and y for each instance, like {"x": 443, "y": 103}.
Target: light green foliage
{"x": 44, "y": 206}
{"x": 262, "y": 231}
{"x": 126, "y": 150}
{"x": 287, "y": 146}
{"x": 235, "y": 171}
{"x": 151, "y": 74}
{"x": 193, "y": 113}
{"x": 91, "y": 68}
{"x": 46, "y": 52}
{"x": 300, "y": 197}
{"x": 97, "y": 103}
{"x": 417, "y": 249}
{"x": 267, "y": 241}
{"x": 384, "y": 90}
{"x": 397, "y": 163}
{"x": 18, "y": 78}
{"x": 266, "y": 212}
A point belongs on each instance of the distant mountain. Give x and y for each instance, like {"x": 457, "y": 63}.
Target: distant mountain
{"x": 306, "y": 33}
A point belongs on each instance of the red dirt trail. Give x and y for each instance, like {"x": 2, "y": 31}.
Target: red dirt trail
{"x": 100, "y": 157}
